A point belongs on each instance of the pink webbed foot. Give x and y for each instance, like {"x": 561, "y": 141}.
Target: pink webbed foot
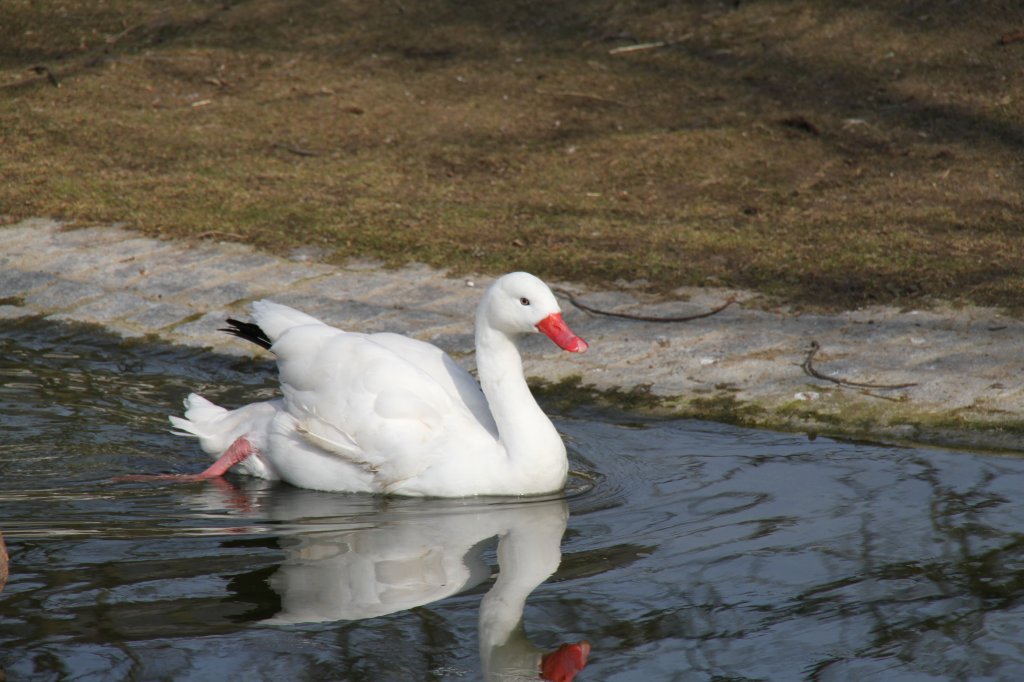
{"x": 239, "y": 451}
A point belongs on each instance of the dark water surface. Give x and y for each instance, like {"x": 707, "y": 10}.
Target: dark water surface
{"x": 688, "y": 551}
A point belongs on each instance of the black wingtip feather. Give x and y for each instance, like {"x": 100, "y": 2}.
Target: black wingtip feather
{"x": 249, "y": 332}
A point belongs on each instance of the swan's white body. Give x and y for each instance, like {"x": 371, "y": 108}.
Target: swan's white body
{"x": 384, "y": 413}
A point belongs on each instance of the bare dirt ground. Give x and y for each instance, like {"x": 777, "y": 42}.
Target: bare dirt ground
{"x": 826, "y": 154}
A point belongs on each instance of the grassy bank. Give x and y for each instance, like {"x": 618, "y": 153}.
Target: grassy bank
{"x": 827, "y": 153}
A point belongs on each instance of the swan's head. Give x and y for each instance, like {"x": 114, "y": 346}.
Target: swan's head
{"x": 519, "y": 303}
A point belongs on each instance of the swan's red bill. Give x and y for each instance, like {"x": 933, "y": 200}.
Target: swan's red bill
{"x": 558, "y": 331}
{"x": 565, "y": 662}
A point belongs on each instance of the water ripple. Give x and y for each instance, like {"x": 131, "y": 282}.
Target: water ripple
{"x": 693, "y": 550}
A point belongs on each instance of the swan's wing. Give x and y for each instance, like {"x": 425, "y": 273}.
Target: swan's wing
{"x": 275, "y": 319}
{"x": 445, "y": 371}
{"x": 361, "y": 401}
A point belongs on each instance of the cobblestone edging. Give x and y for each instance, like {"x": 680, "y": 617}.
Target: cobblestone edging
{"x": 741, "y": 365}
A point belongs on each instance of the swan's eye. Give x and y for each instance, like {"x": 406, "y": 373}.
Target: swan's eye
{"x": 524, "y": 301}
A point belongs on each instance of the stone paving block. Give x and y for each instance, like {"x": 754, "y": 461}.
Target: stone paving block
{"x": 454, "y": 344}
{"x": 79, "y": 261}
{"x": 204, "y": 331}
{"x": 308, "y": 303}
{"x": 123, "y": 273}
{"x": 460, "y": 304}
{"x": 200, "y": 261}
{"x": 36, "y": 255}
{"x": 63, "y": 294}
{"x": 206, "y": 322}
{"x": 245, "y": 260}
{"x": 157, "y": 316}
{"x": 240, "y": 258}
{"x": 410, "y": 322}
{"x": 14, "y": 312}
{"x": 15, "y": 283}
{"x": 18, "y": 237}
{"x": 363, "y": 264}
{"x": 426, "y": 295}
{"x": 364, "y": 286}
{"x": 164, "y": 284}
{"x": 612, "y": 301}
{"x": 113, "y": 305}
{"x": 87, "y": 236}
{"x": 220, "y": 295}
{"x": 391, "y": 321}
{"x": 285, "y": 276}
{"x": 351, "y": 315}
{"x": 274, "y": 281}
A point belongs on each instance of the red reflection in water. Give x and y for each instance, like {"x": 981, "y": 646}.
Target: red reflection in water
{"x": 565, "y": 662}
{"x": 4, "y": 562}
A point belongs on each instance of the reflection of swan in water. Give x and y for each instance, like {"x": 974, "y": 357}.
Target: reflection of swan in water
{"x": 529, "y": 552}
{"x": 345, "y": 566}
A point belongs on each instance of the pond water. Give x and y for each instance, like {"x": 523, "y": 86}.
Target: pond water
{"x": 683, "y": 551}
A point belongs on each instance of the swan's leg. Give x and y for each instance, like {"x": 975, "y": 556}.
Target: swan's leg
{"x": 238, "y": 451}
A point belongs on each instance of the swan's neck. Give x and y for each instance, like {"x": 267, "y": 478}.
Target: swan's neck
{"x": 530, "y": 440}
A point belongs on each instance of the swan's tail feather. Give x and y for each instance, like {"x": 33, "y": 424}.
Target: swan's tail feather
{"x": 200, "y": 415}
{"x": 182, "y": 427}
{"x": 218, "y": 428}
{"x": 272, "y": 320}
{"x": 248, "y": 331}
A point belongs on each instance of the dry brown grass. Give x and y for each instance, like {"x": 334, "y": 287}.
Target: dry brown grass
{"x": 829, "y": 153}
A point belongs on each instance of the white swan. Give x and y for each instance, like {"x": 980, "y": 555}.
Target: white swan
{"x": 383, "y": 413}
